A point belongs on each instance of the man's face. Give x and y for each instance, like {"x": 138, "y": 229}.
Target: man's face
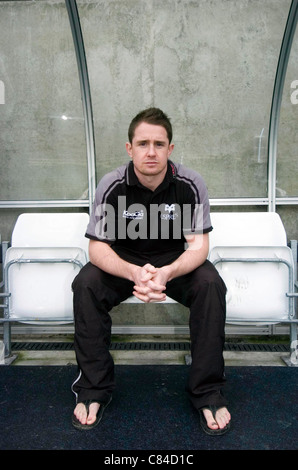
{"x": 149, "y": 150}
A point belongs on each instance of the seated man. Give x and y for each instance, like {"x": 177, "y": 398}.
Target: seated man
{"x": 148, "y": 236}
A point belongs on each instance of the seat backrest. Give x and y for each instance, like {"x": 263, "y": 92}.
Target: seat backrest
{"x": 40, "y": 236}
{"x": 51, "y": 230}
{"x": 254, "y": 290}
{"x": 247, "y": 229}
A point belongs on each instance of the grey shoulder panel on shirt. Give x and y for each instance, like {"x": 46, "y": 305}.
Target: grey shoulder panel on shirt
{"x": 195, "y": 180}
{"x": 105, "y": 186}
{"x": 108, "y": 182}
{"x": 197, "y": 184}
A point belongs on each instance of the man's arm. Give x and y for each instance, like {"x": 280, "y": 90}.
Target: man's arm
{"x": 195, "y": 255}
{"x": 105, "y": 258}
{"x": 102, "y": 256}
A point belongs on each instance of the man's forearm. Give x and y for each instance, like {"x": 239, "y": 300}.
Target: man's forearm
{"x": 195, "y": 255}
{"x": 102, "y": 256}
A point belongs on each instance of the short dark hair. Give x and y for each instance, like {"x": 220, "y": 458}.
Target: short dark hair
{"x": 153, "y": 116}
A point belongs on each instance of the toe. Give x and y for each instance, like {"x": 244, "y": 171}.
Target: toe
{"x": 93, "y": 409}
{"x": 80, "y": 413}
{"x": 211, "y": 423}
{"x": 222, "y": 417}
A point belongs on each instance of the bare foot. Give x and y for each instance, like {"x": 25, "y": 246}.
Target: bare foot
{"x": 219, "y": 421}
{"x": 80, "y": 413}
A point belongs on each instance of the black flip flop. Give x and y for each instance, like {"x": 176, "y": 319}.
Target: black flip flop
{"x": 83, "y": 427}
{"x": 205, "y": 427}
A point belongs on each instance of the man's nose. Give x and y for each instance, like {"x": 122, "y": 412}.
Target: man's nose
{"x": 151, "y": 149}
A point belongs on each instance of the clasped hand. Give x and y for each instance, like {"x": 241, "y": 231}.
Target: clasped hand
{"x": 150, "y": 283}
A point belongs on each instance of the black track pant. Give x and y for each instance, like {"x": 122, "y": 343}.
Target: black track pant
{"x": 96, "y": 293}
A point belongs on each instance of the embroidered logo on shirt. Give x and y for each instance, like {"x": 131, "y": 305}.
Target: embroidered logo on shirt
{"x": 170, "y": 208}
{"x": 133, "y": 215}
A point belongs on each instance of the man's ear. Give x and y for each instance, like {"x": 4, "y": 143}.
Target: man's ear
{"x": 128, "y": 149}
{"x": 171, "y": 148}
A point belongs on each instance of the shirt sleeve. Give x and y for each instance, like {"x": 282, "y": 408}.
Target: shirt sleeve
{"x": 101, "y": 225}
{"x": 201, "y": 221}
{"x": 196, "y": 213}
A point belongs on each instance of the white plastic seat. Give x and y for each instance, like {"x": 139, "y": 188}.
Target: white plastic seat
{"x": 47, "y": 251}
{"x": 39, "y": 282}
{"x": 51, "y": 230}
{"x": 257, "y": 280}
{"x": 250, "y": 252}
{"x": 247, "y": 229}
{"x": 135, "y": 300}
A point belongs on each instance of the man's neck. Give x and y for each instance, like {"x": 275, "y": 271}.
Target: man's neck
{"x": 151, "y": 182}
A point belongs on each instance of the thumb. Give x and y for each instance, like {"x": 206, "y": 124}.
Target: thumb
{"x": 151, "y": 269}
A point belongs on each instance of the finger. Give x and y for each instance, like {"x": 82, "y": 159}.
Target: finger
{"x": 151, "y": 300}
{"x": 146, "y": 277}
{"x": 156, "y": 297}
{"x": 147, "y": 272}
{"x": 150, "y": 296}
{"x": 154, "y": 286}
{"x": 141, "y": 289}
{"x": 142, "y": 297}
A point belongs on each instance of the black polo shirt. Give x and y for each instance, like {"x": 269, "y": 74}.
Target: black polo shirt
{"x": 131, "y": 217}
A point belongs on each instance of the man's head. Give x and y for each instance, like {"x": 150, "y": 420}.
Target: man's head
{"x": 151, "y": 116}
{"x": 149, "y": 146}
